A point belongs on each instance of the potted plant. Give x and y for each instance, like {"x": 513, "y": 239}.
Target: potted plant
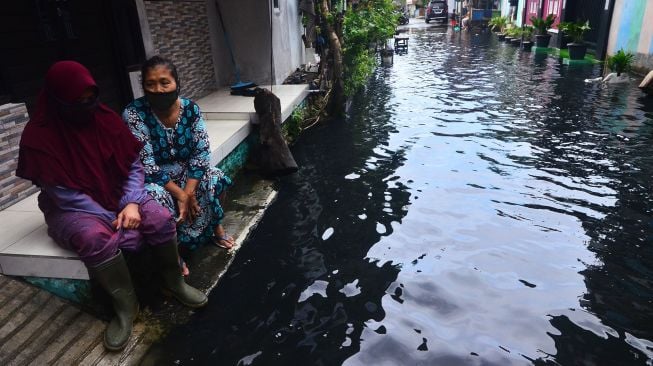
{"x": 516, "y": 36}
{"x": 511, "y": 33}
{"x": 498, "y": 23}
{"x": 619, "y": 63}
{"x": 576, "y": 31}
{"x": 542, "y": 25}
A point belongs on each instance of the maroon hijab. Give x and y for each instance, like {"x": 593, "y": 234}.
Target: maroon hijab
{"x": 91, "y": 151}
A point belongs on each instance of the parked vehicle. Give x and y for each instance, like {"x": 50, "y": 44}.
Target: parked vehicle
{"x": 437, "y": 10}
{"x": 403, "y": 18}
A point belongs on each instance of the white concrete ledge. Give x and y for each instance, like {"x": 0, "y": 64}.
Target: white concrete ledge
{"x": 27, "y": 250}
{"x": 223, "y": 106}
{"x": 226, "y": 135}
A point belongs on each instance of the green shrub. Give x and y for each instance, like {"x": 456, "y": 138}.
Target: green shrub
{"x": 542, "y": 25}
{"x": 621, "y": 62}
{"x": 372, "y": 22}
{"x": 498, "y": 23}
{"x": 292, "y": 128}
{"x": 513, "y": 32}
{"x": 576, "y": 31}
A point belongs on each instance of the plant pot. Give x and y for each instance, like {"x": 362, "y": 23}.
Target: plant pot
{"x": 542, "y": 40}
{"x": 527, "y": 45}
{"x": 515, "y": 41}
{"x": 501, "y": 36}
{"x": 577, "y": 51}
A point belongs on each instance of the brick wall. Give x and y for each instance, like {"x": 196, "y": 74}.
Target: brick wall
{"x": 13, "y": 118}
{"x": 180, "y": 32}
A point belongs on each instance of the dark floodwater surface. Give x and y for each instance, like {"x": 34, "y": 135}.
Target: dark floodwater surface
{"x": 479, "y": 206}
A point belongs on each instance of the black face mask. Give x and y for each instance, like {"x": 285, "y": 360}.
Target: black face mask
{"x": 162, "y": 101}
{"x": 78, "y": 114}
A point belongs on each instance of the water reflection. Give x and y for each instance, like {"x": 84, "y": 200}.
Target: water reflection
{"x": 480, "y": 205}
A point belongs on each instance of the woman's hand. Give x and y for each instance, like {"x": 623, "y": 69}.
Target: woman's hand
{"x": 191, "y": 191}
{"x": 129, "y": 218}
{"x": 183, "y": 201}
{"x": 193, "y": 207}
{"x": 183, "y": 204}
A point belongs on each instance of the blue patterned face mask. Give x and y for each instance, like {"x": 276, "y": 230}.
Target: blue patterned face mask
{"x": 161, "y": 101}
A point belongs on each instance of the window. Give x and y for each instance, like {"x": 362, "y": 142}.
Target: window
{"x": 275, "y": 3}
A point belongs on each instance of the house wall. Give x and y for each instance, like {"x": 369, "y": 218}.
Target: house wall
{"x": 190, "y": 33}
{"x": 533, "y": 8}
{"x": 13, "y": 118}
{"x": 521, "y": 7}
{"x": 553, "y": 7}
{"x": 180, "y": 31}
{"x": 247, "y": 23}
{"x": 288, "y": 45}
{"x": 632, "y": 31}
{"x": 505, "y": 8}
{"x": 451, "y": 5}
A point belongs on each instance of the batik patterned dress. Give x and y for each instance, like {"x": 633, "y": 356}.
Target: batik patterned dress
{"x": 177, "y": 154}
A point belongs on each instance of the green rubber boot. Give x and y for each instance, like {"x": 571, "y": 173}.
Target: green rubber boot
{"x": 173, "y": 282}
{"x": 113, "y": 276}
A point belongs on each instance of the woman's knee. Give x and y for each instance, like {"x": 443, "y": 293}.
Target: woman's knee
{"x": 157, "y": 219}
{"x": 93, "y": 243}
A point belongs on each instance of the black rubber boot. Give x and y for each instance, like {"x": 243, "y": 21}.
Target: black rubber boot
{"x": 173, "y": 282}
{"x": 114, "y": 277}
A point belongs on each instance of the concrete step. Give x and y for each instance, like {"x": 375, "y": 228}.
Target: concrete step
{"x": 27, "y": 250}
{"x": 220, "y": 105}
{"x": 226, "y": 135}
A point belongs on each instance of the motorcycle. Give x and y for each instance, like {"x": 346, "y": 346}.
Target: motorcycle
{"x": 403, "y": 18}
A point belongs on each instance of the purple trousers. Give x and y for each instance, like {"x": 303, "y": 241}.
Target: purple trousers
{"x": 93, "y": 238}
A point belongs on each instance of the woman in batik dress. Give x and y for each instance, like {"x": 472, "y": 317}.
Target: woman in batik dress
{"x": 176, "y": 157}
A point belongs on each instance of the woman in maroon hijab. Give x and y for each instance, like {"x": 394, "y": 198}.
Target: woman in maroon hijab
{"x": 86, "y": 162}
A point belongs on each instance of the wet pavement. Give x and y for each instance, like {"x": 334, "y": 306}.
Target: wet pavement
{"x": 480, "y": 205}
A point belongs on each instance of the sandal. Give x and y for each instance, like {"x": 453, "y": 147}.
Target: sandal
{"x": 217, "y": 241}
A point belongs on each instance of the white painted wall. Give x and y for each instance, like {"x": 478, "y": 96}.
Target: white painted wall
{"x": 248, "y": 24}
{"x": 287, "y": 33}
{"x": 505, "y": 8}
{"x": 452, "y": 5}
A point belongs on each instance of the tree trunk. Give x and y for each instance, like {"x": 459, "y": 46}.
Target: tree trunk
{"x": 337, "y": 100}
{"x": 273, "y": 155}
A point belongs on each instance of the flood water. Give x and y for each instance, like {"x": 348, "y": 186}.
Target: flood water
{"x": 479, "y": 206}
